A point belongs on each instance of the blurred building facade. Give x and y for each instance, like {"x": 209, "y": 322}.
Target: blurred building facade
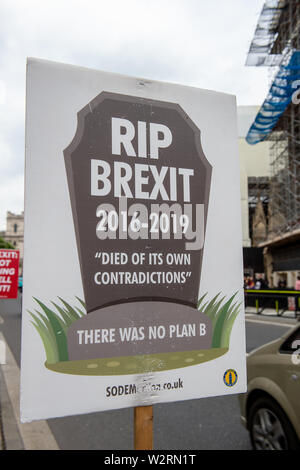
{"x": 276, "y": 44}
{"x": 255, "y": 176}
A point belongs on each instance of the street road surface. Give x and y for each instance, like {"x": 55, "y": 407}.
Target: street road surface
{"x": 210, "y": 423}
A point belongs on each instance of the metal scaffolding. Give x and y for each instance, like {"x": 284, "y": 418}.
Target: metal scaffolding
{"x": 285, "y": 173}
{"x": 278, "y": 120}
{"x": 260, "y": 51}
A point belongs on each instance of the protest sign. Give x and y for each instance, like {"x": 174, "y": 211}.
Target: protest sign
{"x": 133, "y": 203}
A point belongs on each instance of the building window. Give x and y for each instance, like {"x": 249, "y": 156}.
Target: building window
{"x": 15, "y": 228}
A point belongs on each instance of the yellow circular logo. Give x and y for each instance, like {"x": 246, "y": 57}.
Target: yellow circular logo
{"x": 230, "y": 377}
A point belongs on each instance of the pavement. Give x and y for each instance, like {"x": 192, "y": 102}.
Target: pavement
{"x": 37, "y": 435}
{"x": 14, "y": 434}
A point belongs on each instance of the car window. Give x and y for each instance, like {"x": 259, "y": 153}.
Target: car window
{"x": 290, "y": 344}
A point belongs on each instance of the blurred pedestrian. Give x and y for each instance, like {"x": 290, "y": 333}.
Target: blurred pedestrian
{"x": 257, "y": 284}
{"x": 264, "y": 284}
{"x": 281, "y": 284}
{"x": 297, "y": 283}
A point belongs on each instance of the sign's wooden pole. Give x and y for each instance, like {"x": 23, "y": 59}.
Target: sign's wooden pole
{"x": 143, "y": 428}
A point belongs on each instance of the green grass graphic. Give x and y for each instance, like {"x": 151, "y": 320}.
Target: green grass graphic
{"x": 222, "y": 316}
{"x": 52, "y": 325}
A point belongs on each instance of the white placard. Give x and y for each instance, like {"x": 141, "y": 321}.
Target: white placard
{"x": 113, "y": 271}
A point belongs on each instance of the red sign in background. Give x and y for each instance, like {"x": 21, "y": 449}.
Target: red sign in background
{"x": 9, "y": 274}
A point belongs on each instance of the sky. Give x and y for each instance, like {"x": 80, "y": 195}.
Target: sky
{"x": 190, "y": 42}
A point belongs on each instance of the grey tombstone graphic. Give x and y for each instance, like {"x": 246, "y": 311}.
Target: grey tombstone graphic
{"x": 140, "y": 278}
